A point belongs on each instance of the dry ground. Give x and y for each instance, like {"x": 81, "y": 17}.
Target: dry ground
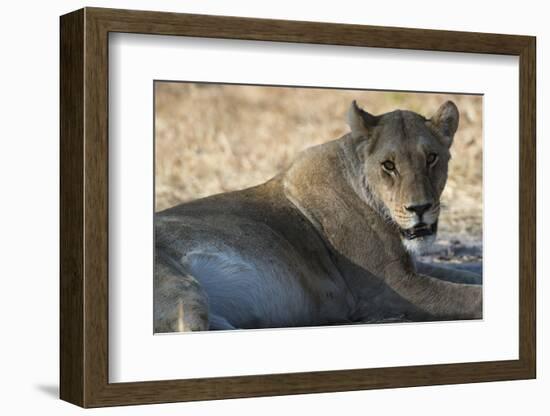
{"x": 216, "y": 138}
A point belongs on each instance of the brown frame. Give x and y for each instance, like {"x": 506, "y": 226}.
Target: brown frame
{"x": 84, "y": 210}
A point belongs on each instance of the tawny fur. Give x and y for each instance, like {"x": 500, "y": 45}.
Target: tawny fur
{"x": 320, "y": 243}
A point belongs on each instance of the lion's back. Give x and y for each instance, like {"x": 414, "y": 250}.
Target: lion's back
{"x": 250, "y": 250}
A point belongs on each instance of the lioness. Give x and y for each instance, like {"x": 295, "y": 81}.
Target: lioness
{"x": 327, "y": 241}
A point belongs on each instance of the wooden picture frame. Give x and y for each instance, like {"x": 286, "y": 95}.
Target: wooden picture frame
{"x": 84, "y": 207}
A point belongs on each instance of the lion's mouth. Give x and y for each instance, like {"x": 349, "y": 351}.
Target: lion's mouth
{"x": 419, "y": 230}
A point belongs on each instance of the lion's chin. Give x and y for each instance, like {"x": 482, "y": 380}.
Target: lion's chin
{"x": 419, "y": 245}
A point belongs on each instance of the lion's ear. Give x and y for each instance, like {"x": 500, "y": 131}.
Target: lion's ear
{"x": 445, "y": 122}
{"x": 360, "y": 121}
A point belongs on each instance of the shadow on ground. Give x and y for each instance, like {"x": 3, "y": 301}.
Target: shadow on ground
{"x": 51, "y": 390}
{"x": 456, "y": 253}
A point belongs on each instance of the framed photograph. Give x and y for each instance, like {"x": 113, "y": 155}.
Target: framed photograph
{"x": 255, "y": 207}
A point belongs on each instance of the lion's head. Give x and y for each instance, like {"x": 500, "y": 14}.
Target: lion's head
{"x": 403, "y": 161}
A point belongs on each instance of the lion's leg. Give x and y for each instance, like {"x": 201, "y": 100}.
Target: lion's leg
{"x": 448, "y": 274}
{"x": 180, "y": 304}
{"x": 439, "y": 298}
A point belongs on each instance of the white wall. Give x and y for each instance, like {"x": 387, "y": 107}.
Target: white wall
{"x": 29, "y": 206}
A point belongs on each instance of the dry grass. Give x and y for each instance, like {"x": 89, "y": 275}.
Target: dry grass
{"x": 217, "y": 138}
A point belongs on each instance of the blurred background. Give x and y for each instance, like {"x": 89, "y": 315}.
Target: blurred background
{"x": 212, "y": 138}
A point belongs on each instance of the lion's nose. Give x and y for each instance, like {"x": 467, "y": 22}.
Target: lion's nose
{"x": 419, "y": 209}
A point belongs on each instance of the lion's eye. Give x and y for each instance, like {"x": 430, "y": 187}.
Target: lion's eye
{"x": 432, "y": 158}
{"x": 388, "y": 165}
